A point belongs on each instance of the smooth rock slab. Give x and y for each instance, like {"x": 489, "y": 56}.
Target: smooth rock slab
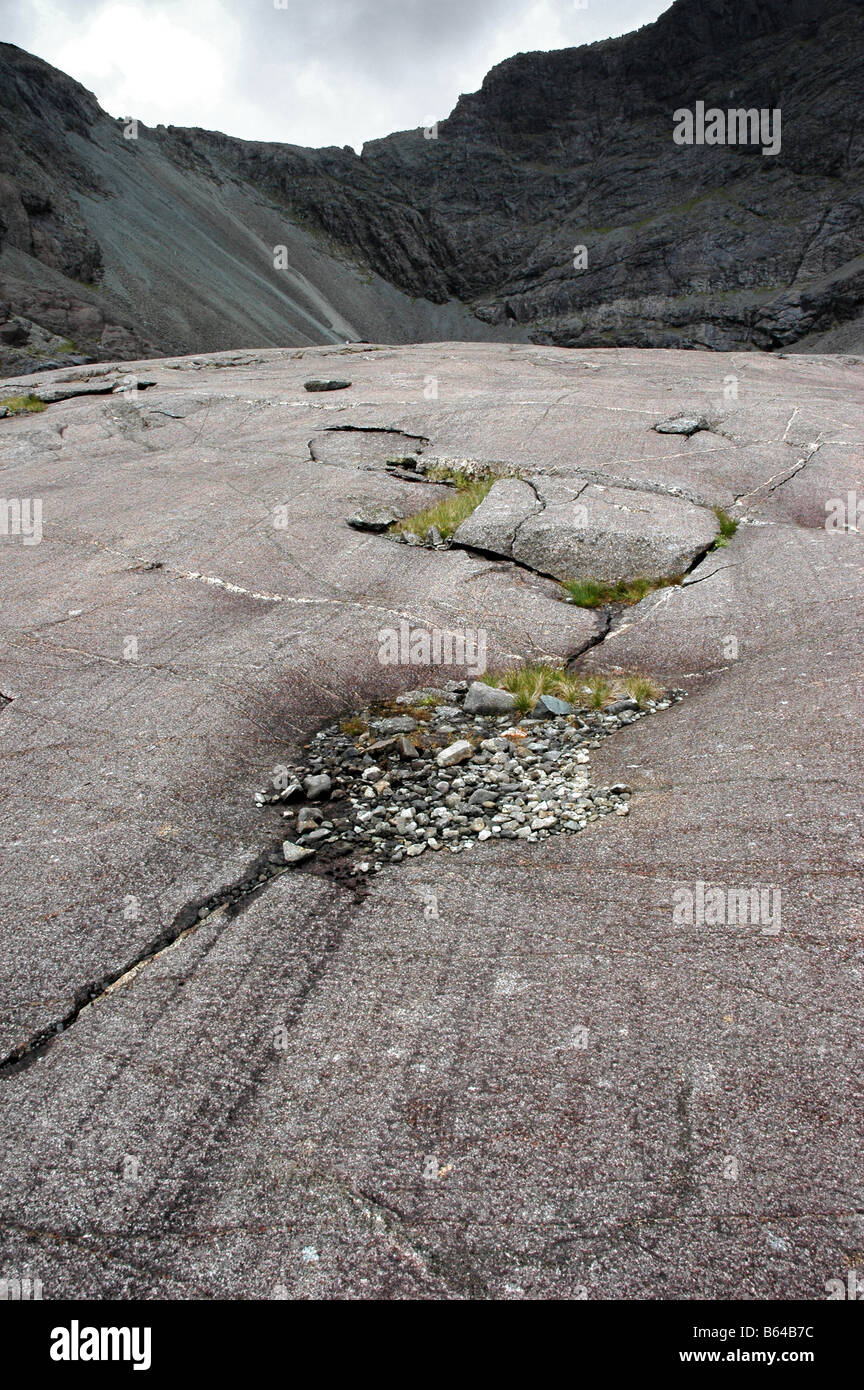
{"x": 493, "y": 525}
{"x": 586, "y": 531}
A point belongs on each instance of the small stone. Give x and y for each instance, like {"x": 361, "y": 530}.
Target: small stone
{"x": 621, "y": 789}
{"x": 405, "y": 748}
{"x": 550, "y": 707}
{"x": 488, "y": 699}
{"x": 331, "y": 385}
{"x": 375, "y": 519}
{"x": 373, "y": 774}
{"x": 294, "y": 854}
{"x": 315, "y": 837}
{"x": 291, "y": 792}
{"x": 681, "y": 424}
{"x": 317, "y": 786}
{"x": 397, "y": 724}
{"x": 307, "y": 819}
{"x": 483, "y": 797}
{"x": 455, "y": 753}
{"x": 620, "y": 705}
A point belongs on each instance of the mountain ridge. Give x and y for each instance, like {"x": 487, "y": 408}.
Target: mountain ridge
{"x": 165, "y": 243}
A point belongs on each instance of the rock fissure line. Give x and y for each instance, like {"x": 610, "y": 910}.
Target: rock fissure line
{"x": 229, "y": 900}
{"x": 778, "y": 480}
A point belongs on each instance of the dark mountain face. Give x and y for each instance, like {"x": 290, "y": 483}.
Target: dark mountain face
{"x": 708, "y": 245}
{"x": 552, "y": 204}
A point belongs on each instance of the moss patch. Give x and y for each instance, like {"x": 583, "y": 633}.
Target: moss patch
{"x": 22, "y": 405}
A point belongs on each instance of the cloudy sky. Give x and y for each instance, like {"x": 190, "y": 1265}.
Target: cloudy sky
{"x": 311, "y": 72}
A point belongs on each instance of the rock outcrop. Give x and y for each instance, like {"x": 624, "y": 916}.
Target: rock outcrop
{"x": 531, "y": 1069}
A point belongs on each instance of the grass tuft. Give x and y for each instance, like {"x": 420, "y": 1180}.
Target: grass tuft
{"x": 728, "y": 526}
{"x": 595, "y": 593}
{"x": 641, "y": 689}
{"x": 441, "y": 473}
{"x": 527, "y": 683}
{"x": 447, "y": 515}
{"x": 22, "y": 405}
{"x": 599, "y": 691}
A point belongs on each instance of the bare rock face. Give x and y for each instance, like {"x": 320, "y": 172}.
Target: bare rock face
{"x": 675, "y": 246}
{"x": 493, "y": 525}
{"x": 465, "y": 1042}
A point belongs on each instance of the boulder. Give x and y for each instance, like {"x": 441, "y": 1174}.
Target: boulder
{"x": 488, "y": 699}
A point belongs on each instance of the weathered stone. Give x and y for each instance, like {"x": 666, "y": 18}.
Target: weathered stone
{"x": 493, "y": 524}
{"x": 550, "y": 706}
{"x": 295, "y": 854}
{"x": 317, "y": 786}
{"x": 591, "y": 531}
{"x": 488, "y": 699}
{"x": 681, "y": 424}
{"x": 374, "y": 519}
{"x": 321, "y": 385}
{"x": 394, "y": 724}
{"x": 455, "y": 753}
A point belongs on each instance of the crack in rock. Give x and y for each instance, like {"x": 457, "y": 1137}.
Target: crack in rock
{"x": 227, "y": 902}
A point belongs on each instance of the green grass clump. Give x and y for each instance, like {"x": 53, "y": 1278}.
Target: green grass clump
{"x": 728, "y": 526}
{"x": 22, "y": 405}
{"x": 440, "y": 473}
{"x": 599, "y": 691}
{"x": 594, "y": 593}
{"x": 587, "y": 593}
{"x": 446, "y": 515}
{"x": 527, "y": 683}
{"x": 641, "y": 689}
{"x": 354, "y": 725}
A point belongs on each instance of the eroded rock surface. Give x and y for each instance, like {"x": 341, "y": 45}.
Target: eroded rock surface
{"x": 515, "y": 1072}
{"x": 579, "y": 530}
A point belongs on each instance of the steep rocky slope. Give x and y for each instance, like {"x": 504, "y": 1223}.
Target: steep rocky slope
{"x": 165, "y": 242}
{"x": 717, "y": 246}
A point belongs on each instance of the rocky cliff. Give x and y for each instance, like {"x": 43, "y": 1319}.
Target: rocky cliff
{"x": 119, "y": 241}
